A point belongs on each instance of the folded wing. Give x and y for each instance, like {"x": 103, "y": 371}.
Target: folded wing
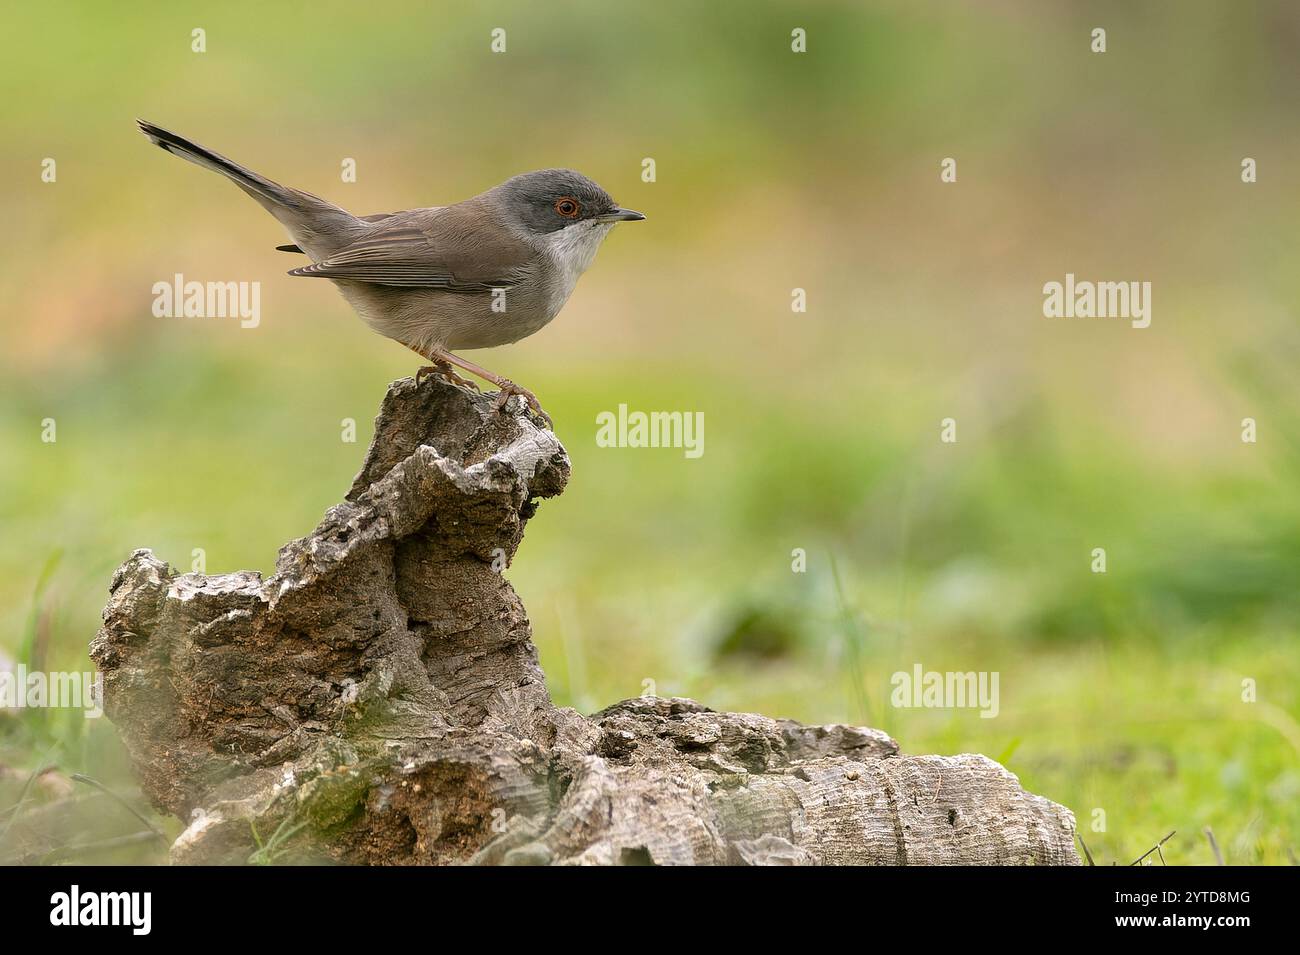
{"x": 446, "y": 248}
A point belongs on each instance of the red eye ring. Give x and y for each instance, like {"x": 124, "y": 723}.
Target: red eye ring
{"x": 568, "y": 207}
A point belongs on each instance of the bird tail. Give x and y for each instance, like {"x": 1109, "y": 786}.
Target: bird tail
{"x": 290, "y": 206}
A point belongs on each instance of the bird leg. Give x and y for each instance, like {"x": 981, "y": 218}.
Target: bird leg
{"x": 508, "y": 388}
{"x": 440, "y": 367}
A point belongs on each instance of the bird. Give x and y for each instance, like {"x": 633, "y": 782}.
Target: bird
{"x": 483, "y": 272}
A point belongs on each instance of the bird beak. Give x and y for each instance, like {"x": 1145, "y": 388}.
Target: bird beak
{"x": 622, "y": 215}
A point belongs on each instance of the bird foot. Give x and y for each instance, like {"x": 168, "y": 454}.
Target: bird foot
{"x": 509, "y": 389}
{"x": 444, "y": 370}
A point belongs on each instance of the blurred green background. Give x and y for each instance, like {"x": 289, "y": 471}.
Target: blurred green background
{"x": 1121, "y": 693}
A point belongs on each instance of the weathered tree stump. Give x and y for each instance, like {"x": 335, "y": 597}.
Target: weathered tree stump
{"x": 380, "y": 698}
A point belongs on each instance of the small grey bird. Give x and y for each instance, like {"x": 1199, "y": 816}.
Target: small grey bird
{"x": 483, "y": 272}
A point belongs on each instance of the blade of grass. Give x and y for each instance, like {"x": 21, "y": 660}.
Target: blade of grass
{"x": 41, "y": 767}
{"x": 853, "y": 645}
{"x": 83, "y": 778}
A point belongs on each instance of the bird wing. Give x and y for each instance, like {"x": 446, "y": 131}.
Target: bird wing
{"x": 454, "y": 248}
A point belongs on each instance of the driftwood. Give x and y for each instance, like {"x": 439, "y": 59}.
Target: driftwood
{"x": 379, "y": 700}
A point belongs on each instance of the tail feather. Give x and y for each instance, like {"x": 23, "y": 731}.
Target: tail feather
{"x": 300, "y": 212}
{"x": 257, "y": 186}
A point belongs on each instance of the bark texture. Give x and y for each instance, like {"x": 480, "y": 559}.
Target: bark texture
{"x": 379, "y": 700}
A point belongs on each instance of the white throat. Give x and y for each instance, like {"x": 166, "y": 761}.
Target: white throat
{"x": 574, "y": 247}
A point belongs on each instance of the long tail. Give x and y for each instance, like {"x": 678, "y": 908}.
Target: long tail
{"x": 293, "y": 207}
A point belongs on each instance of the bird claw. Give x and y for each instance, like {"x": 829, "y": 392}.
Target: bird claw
{"x": 509, "y": 389}
{"x": 444, "y": 371}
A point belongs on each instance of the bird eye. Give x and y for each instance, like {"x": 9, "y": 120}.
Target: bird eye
{"x": 568, "y": 207}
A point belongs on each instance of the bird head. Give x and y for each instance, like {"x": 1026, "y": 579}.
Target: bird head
{"x": 551, "y": 201}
